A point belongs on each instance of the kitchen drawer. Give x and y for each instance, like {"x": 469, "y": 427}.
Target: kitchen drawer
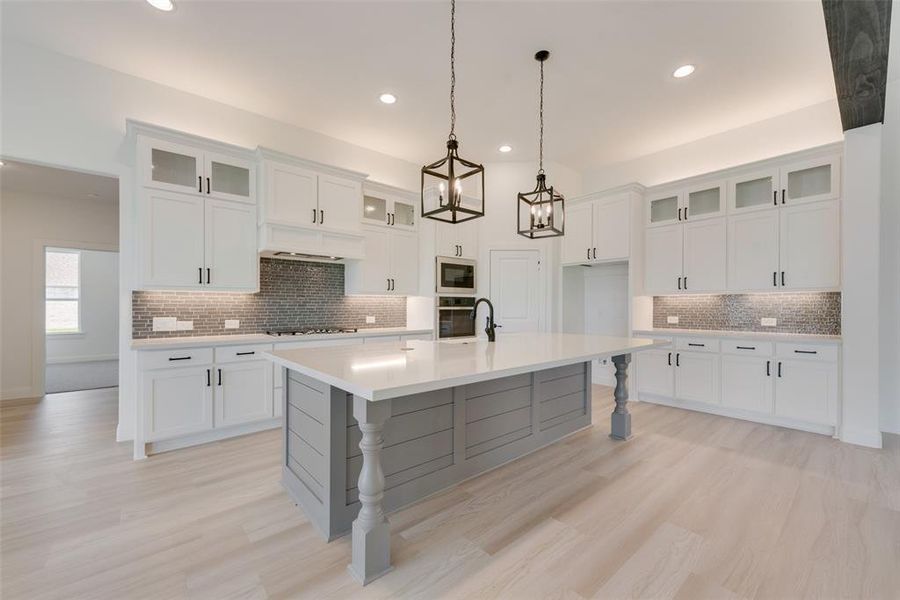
{"x": 164, "y": 359}
{"x": 806, "y": 351}
{"x": 697, "y": 344}
{"x": 747, "y": 347}
{"x": 230, "y": 354}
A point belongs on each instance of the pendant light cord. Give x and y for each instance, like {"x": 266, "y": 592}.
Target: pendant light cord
{"x": 452, "y": 69}
{"x": 541, "y": 135}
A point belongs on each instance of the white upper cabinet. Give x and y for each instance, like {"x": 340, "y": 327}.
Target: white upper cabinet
{"x": 171, "y": 246}
{"x": 664, "y": 208}
{"x": 460, "y": 240}
{"x": 753, "y": 252}
{"x": 754, "y": 191}
{"x": 704, "y": 201}
{"x": 810, "y": 246}
{"x": 230, "y": 254}
{"x": 189, "y": 169}
{"x": 704, "y": 265}
{"x": 598, "y": 229}
{"x": 391, "y": 265}
{"x": 578, "y": 243}
{"x": 388, "y": 206}
{"x": 340, "y": 202}
{"x": 662, "y": 255}
{"x": 810, "y": 180}
{"x": 292, "y": 194}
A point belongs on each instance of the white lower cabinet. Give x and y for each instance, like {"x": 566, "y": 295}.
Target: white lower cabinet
{"x": 243, "y": 393}
{"x": 177, "y": 401}
{"x": 794, "y": 385}
{"x": 655, "y": 372}
{"x": 806, "y": 390}
{"x": 747, "y": 383}
{"x": 697, "y": 377}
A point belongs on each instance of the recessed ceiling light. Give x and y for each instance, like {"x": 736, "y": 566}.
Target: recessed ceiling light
{"x": 505, "y": 148}
{"x": 387, "y": 98}
{"x": 683, "y": 71}
{"x": 163, "y": 5}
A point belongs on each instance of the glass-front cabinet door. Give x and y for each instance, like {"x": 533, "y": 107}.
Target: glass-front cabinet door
{"x": 229, "y": 178}
{"x": 168, "y": 166}
{"x": 753, "y": 191}
{"x": 810, "y": 180}
{"x": 403, "y": 214}
{"x": 663, "y": 209}
{"x": 375, "y": 210}
{"x": 704, "y": 201}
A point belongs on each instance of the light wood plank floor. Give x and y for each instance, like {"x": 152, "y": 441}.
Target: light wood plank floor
{"x": 695, "y": 506}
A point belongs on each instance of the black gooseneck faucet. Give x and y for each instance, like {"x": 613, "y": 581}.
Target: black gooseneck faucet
{"x": 491, "y": 326}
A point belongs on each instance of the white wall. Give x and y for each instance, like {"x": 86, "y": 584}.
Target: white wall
{"x": 798, "y": 130}
{"x": 497, "y": 229}
{"x": 84, "y": 127}
{"x": 28, "y": 222}
{"x": 890, "y": 240}
{"x": 99, "y": 313}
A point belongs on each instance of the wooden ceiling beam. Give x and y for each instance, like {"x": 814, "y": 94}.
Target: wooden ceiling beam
{"x": 858, "y": 37}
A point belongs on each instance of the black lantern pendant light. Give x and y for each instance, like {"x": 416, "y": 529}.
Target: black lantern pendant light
{"x": 541, "y": 212}
{"x": 453, "y": 187}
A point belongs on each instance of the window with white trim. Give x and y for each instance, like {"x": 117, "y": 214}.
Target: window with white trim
{"x": 63, "y": 291}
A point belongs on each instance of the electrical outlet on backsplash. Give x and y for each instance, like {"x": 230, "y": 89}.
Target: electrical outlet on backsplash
{"x": 806, "y": 313}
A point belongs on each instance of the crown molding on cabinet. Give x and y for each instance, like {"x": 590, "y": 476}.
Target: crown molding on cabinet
{"x": 134, "y": 128}
{"x": 282, "y": 157}
{"x": 376, "y": 187}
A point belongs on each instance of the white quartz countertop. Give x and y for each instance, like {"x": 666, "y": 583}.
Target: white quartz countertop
{"x": 391, "y": 369}
{"x": 748, "y": 335}
{"x": 262, "y": 338}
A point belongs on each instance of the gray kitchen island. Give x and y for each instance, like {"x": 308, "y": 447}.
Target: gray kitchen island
{"x": 369, "y": 429}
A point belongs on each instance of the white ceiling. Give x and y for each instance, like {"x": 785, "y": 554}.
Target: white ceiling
{"x": 321, "y": 65}
{"x": 49, "y": 181}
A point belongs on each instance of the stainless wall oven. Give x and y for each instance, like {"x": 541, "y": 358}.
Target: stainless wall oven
{"x": 454, "y": 317}
{"x": 455, "y": 275}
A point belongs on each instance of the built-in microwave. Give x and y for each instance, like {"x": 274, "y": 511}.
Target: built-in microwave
{"x": 454, "y": 317}
{"x": 454, "y": 275}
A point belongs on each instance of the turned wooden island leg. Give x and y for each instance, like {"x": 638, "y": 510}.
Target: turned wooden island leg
{"x": 620, "y": 420}
{"x": 371, "y": 535}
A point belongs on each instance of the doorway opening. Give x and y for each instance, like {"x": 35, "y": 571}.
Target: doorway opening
{"x": 81, "y": 319}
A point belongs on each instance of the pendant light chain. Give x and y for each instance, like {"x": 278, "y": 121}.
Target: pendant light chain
{"x": 452, "y": 69}
{"x": 541, "y": 136}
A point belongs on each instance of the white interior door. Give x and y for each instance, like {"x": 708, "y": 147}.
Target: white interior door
{"x": 516, "y": 289}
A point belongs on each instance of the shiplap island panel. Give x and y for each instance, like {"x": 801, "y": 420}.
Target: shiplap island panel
{"x": 372, "y": 428}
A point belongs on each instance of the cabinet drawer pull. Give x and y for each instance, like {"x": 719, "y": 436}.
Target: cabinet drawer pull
{"x": 775, "y": 197}
{"x": 220, "y": 376}
{"x": 679, "y": 214}
{"x": 782, "y": 279}
{"x": 679, "y": 283}
{"x": 208, "y": 278}
{"x": 200, "y": 183}
{"x": 245, "y": 353}
{"x": 775, "y": 278}
{"x": 697, "y": 345}
{"x": 806, "y": 351}
{"x": 670, "y": 359}
{"x": 779, "y": 368}
{"x": 589, "y": 254}
{"x": 595, "y": 254}
{"x": 200, "y": 270}
{"x": 685, "y": 213}
{"x": 321, "y": 217}
{"x": 746, "y": 347}
{"x": 782, "y": 196}
{"x": 208, "y": 378}
{"x": 678, "y": 359}
{"x": 179, "y": 358}
{"x": 315, "y": 214}
{"x": 685, "y": 282}
{"x": 768, "y": 368}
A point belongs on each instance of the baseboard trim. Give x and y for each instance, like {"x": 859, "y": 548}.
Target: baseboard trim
{"x": 870, "y": 438}
{"x": 64, "y": 360}
{"x": 213, "y": 435}
{"x": 18, "y": 393}
{"x": 723, "y": 411}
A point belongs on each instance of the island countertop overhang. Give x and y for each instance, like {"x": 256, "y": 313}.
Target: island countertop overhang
{"x": 388, "y": 370}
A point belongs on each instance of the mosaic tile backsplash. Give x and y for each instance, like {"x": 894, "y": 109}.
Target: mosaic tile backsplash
{"x": 292, "y": 295}
{"x": 807, "y": 313}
